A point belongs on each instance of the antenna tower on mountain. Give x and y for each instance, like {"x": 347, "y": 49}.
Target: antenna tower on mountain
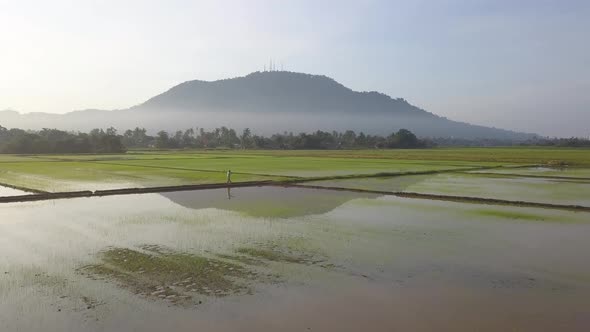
{"x": 273, "y": 66}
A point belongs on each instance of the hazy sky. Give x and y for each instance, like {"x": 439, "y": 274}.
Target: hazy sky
{"x": 521, "y": 64}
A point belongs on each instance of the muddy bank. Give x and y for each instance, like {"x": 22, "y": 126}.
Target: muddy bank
{"x": 179, "y": 188}
{"x": 460, "y": 199}
{"x": 391, "y": 174}
{"x": 127, "y": 191}
{"x": 286, "y": 184}
{"x": 516, "y": 175}
{"x": 477, "y": 200}
{"x": 44, "y": 196}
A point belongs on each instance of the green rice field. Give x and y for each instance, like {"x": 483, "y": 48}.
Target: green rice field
{"x": 55, "y": 173}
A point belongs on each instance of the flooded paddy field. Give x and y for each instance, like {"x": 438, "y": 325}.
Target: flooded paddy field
{"x": 481, "y": 155}
{"x": 55, "y": 176}
{"x": 543, "y": 171}
{"x": 63, "y": 173}
{"x": 515, "y": 188}
{"x": 275, "y": 257}
{"x": 290, "y": 259}
{"x": 6, "y": 191}
{"x": 301, "y": 166}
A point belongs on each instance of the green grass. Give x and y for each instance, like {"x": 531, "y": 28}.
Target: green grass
{"x": 159, "y": 168}
{"x": 522, "y": 215}
{"x": 502, "y": 155}
{"x": 72, "y": 176}
{"x": 21, "y": 158}
{"x": 505, "y": 214}
{"x": 168, "y": 275}
{"x": 297, "y": 166}
{"x": 293, "y": 249}
{"x": 275, "y": 255}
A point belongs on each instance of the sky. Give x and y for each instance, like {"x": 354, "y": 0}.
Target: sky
{"x": 521, "y": 65}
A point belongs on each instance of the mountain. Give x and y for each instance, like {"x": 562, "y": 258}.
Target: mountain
{"x": 275, "y": 92}
{"x": 266, "y": 102}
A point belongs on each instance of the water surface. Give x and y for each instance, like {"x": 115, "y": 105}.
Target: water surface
{"x": 6, "y": 191}
{"x": 574, "y": 172}
{"x": 187, "y": 261}
{"x": 542, "y": 190}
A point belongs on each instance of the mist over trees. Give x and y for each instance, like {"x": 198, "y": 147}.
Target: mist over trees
{"x": 572, "y": 142}
{"x": 19, "y": 141}
{"x": 224, "y": 137}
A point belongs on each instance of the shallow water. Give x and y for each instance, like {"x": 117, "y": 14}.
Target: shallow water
{"x": 347, "y": 262}
{"x": 265, "y": 201}
{"x": 542, "y": 190}
{"x": 6, "y": 191}
{"x": 574, "y": 172}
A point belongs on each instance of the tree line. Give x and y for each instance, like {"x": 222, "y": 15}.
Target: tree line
{"x": 58, "y": 141}
{"x": 110, "y": 141}
{"x": 21, "y": 141}
{"x": 572, "y": 142}
{"x": 224, "y": 137}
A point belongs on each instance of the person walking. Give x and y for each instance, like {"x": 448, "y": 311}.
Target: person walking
{"x": 229, "y": 176}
